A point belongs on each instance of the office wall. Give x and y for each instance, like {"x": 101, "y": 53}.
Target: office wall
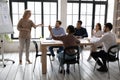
{"x": 10, "y": 47}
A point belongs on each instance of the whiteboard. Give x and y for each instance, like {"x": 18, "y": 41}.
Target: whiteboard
{"x": 5, "y": 21}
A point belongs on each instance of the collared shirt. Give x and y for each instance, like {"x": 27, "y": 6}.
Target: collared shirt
{"x": 108, "y": 40}
{"x": 81, "y": 32}
{"x": 24, "y": 28}
{"x": 58, "y": 32}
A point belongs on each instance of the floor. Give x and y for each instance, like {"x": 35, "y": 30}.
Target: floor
{"x": 25, "y": 71}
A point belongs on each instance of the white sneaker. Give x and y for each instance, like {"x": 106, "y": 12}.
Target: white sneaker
{"x": 52, "y": 58}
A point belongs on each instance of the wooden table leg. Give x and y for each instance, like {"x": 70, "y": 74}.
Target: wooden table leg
{"x": 44, "y": 59}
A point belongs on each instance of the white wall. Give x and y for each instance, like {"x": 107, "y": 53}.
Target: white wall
{"x": 2, "y": 0}
{"x": 13, "y": 46}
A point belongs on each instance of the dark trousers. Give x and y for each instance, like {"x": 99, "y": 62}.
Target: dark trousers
{"x": 61, "y": 48}
{"x": 101, "y": 54}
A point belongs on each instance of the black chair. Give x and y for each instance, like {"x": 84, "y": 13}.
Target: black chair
{"x": 75, "y": 54}
{"x": 40, "y": 54}
{"x": 113, "y": 55}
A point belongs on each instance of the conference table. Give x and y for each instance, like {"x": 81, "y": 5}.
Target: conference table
{"x": 45, "y": 43}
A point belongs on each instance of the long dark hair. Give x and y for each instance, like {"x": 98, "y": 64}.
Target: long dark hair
{"x": 99, "y": 26}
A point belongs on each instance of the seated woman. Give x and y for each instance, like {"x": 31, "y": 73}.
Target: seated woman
{"x": 96, "y": 34}
{"x": 68, "y": 40}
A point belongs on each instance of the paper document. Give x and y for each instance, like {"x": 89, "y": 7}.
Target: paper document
{"x": 94, "y": 39}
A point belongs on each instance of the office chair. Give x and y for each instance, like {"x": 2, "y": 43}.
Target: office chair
{"x": 2, "y": 53}
{"x": 74, "y": 60}
{"x": 40, "y": 54}
{"x": 113, "y": 55}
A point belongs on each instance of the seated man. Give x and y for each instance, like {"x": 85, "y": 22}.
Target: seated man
{"x": 80, "y": 32}
{"x": 57, "y": 31}
{"x": 107, "y": 41}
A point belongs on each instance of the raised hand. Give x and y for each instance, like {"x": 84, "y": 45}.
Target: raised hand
{"x": 50, "y": 28}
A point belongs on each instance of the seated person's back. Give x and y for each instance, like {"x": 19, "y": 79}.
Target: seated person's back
{"x": 68, "y": 40}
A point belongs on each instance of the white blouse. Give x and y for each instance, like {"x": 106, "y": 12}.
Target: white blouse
{"x": 98, "y": 33}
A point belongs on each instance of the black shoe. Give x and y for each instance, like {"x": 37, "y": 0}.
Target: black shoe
{"x": 68, "y": 71}
{"x": 58, "y": 51}
{"x": 62, "y": 71}
{"x": 99, "y": 63}
{"x": 102, "y": 69}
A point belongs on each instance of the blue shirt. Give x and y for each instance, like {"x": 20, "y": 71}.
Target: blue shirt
{"x": 57, "y": 32}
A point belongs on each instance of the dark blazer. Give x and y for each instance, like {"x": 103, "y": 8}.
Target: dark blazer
{"x": 81, "y": 32}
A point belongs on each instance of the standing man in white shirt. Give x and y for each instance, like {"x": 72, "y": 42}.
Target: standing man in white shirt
{"x": 107, "y": 40}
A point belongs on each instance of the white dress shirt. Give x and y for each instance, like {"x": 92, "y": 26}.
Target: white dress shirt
{"x": 108, "y": 39}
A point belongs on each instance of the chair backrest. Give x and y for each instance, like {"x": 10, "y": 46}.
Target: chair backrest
{"x": 72, "y": 51}
{"x": 36, "y": 46}
{"x": 113, "y": 53}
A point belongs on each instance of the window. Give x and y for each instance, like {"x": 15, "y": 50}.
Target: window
{"x": 72, "y": 13}
{"x": 50, "y": 12}
{"x": 43, "y": 12}
{"x": 17, "y": 11}
{"x": 86, "y": 16}
{"x": 35, "y": 8}
{"x": 89, "y": 12}
{"x": 46, "y": 12}
{"x": 99, "y": 13}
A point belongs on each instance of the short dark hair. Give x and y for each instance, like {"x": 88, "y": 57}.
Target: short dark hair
{"x": 109, "y": 25}
{"x": 71, "y": 28}
{"x": 59, "y": 22}
{"x": 79, "y": 21}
